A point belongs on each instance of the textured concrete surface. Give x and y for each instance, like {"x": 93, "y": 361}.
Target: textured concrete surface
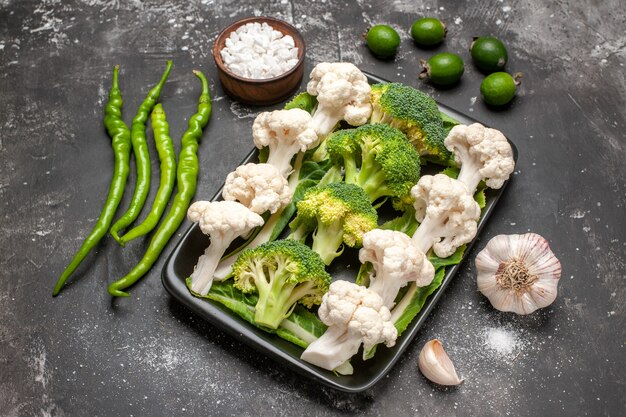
{"x": 85, "y": 355}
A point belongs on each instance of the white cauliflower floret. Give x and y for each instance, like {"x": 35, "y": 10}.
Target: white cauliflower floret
{"x": 260, "y": 187}
{"x": 223, "y": 221}
{"x": 285, "y": 132}
{"x": 342, "y": 92}
{"x": 397, "y": 261}
{"x": 447, "y": 213}
{"x": 354, "y": 315}
{"x": 482, "y": 153}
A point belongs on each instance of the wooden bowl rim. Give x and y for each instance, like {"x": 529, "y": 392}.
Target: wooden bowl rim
{"x": 261, "y": 19}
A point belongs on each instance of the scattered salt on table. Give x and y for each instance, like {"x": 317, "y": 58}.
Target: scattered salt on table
{"x": 258, "y": 51}
{"x": 502, "y": 341}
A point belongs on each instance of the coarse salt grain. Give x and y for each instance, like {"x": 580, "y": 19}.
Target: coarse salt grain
{"x": 502, "y": 341}
{"x": 258, "y": 51}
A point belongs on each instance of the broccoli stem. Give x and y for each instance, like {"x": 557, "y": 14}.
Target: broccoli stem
{"x": 350, "y": 169}
{"x": 326, "y": 241}
{"x": 277, "y": 297}
{"x": 299, "y": 234}
{"x": 377, "y": 115}
{"x": 202, "y": 276}
{"x": 373, "y": 183}
{"x": 321, "y": 153}
{"x": 332, "y": 175}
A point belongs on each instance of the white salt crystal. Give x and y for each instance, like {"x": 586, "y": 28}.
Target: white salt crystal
{"x": 288, "y": 40}
{"x": 258, "y": 51}
{"x": 502, "y": 341}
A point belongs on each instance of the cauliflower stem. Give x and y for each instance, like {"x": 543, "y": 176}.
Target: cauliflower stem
{"x": 334, "y": 348}
{"x": 469, "y": 174}
{"x": 428, "y": 233}
{"x": 225, "y": 267}
{"x": 223, "y": 222}
{"x": 202, "y": 276}
{"x": 325, "y": 119}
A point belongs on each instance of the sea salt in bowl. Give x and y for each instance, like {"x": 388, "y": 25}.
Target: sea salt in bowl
{"x": 263, "y": 91}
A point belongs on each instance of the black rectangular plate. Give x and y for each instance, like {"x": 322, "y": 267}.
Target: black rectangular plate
{"x": 181, "y": 261}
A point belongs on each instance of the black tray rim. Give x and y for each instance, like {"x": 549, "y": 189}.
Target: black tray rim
{"x": 245, "y": 332}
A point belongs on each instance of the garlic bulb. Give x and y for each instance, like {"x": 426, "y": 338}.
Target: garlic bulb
{"x": 436, "y": 365}
{"x": 518, "y": 273}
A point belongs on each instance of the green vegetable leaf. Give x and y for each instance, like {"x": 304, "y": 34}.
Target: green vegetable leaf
{"x": 448, "y": 122}
{"x": 312, "y": 170}
{"x": 452, "y": 172}
{"x": 301, "y": 328}
{"x": 363, "y": 277}
{"x": 303, "y": 101}
{"x": 224, "y": 293}
{"x": 453, "y": 259}
{"x": 405, "y": 223}
{"x": 418, "y": 300}
{"x": 264, "y": 153}
{"x": 480, "y": 197}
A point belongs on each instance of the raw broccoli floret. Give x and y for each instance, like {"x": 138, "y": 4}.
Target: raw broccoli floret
{"x": 414, "y": 113}
{"x": 283, "y": 273}
{"x": 379, "y": 159}
{"x": 335, "y": 214}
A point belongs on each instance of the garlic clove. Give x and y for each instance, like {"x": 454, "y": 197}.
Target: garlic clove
{"x": 436, "y": 365}
{"x": 518, "y": 273}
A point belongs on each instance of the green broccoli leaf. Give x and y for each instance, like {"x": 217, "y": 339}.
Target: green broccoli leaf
{"x": 453, "y": 259}
{"x": 301, "y": 328}
{"x": 264, "y": 153}
{"x": 405, "y": 223}
{"x": 418, "y": 300}
{"x": 480, "y": 197}
{"x": 303, "y": 101}
{"x": 363, "y": 277}
{"x": 224, "y": 293}
{"x": 448, "y": 122}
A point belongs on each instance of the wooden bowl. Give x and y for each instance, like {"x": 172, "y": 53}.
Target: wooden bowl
{"x": 264, "y": 91}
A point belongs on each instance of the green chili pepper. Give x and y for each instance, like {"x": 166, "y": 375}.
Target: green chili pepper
{"x": 142, "y": 157}
{"x": 186, "y": 175}
{"x": 120, "y": 142}
{"x": 167, "y": 156}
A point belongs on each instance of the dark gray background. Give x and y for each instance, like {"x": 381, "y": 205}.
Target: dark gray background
{"x": 84, "y": 355}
